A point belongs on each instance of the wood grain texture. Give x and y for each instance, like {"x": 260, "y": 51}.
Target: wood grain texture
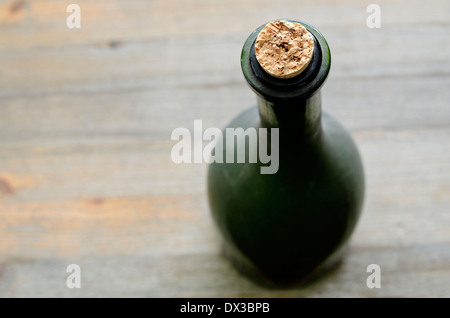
{"x": 86, "y": 117}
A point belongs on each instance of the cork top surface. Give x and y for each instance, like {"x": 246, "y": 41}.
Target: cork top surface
{"x": 284, "y": 49}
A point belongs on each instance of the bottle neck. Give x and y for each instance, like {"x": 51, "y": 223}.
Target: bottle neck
{"x": 291, "y": 104}
{"x": 303, "y": 118}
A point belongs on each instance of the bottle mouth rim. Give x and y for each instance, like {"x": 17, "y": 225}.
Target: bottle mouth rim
{"x": 302, "y": 86}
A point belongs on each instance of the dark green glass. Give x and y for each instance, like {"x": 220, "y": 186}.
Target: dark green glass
{"x": 281, "y": 228}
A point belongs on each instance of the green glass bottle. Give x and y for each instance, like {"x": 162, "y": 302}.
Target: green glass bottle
{"x": 283, "y": 227}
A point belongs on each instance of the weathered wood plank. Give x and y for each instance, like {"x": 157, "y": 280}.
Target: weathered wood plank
{"x": 43, "y": 22}
{"x": 209, "y": 275}
{"x": 151, "y": 115}
{"x": 213, "y": 61}
{"x": 110, "y": 188}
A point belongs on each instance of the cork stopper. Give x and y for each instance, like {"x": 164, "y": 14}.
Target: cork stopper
{"x": 284, "y": 49}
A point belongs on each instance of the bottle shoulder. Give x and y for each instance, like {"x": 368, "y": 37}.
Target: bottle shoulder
{"x": 333, "y": 143}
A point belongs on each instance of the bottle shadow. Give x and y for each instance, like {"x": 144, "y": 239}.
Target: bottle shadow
{"x": 325, "y": 272}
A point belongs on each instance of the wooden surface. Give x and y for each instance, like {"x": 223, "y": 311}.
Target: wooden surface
{"x": 86, "y": 117}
